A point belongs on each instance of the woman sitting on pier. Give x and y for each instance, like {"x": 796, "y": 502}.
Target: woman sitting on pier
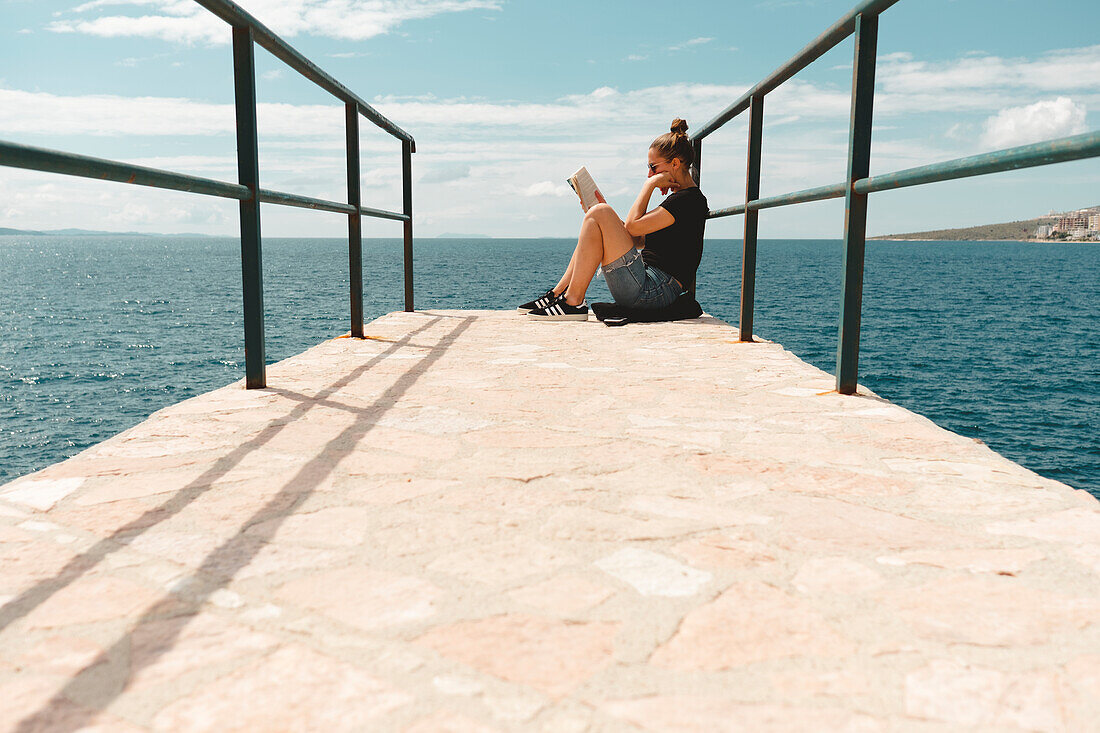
{"x": 648, "y": 260}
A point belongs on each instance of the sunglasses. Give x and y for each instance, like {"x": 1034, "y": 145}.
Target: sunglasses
{"x": 653, "y": 167}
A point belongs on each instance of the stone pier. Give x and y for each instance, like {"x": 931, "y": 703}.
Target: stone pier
{"x": 471, "y": 522}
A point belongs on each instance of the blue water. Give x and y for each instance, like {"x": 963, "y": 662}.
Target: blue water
{"x": 997, "y": 341}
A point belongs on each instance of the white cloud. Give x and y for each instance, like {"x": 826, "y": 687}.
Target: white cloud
{"x": 547, "y": 188}
{"x": 40, "y": 113}
{"x": 961, "y": 131}
{"x": 635, "y": 57}
{"x": 273, "y": 75}
{"x": 524, "y": 148}
{"x": 184, "y": 21}
{"x": 688, "y": 44}
{"x": 446, "y": 174}
{"x": 110, "y": 115}
{"x": 980, "y": 85}
{"x": 1064, "y": 69}
{"x": 192, "y": 28}
{"x": 96, "y": 4}
{"x": 1033, "y": 123}
{"x": 186, "y": 213}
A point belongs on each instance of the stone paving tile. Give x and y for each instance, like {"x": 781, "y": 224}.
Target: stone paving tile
{"x": 468, "y": 522}
{"x": 92, "y": 599}
{"x": 363, "y": 597}
{"x": 563, "y": 595}
{"x": 165, "y": 650}
{"x": 696, "y": 713}
{"x": 991, "y": 610}
{"x": 551, "y": 656}
{"x": 30, "y": 704}
{"x": 750, "y": 622}
{"x": 294, "y": 689}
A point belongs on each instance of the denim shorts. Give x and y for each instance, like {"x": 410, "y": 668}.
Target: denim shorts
{"x": 635, "y": 284}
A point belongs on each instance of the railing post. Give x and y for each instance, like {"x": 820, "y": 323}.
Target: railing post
{"x": 248, "y": 174}
{"x": 697, "y": 149}
{"x": 752, "y": 192}
{"x": 855, "y": 209}
{"x": 355, "y": 221}
{"x": 407, "y": 209}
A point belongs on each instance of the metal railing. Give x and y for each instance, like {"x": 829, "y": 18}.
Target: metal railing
{"x": 862, "y": 21}
{"x": 246, "y": 33}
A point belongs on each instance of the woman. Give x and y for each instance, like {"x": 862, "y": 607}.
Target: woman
{"x": 669, "y": 236}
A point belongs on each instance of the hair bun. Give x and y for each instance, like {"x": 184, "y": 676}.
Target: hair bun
{"x": 679, "y": 127}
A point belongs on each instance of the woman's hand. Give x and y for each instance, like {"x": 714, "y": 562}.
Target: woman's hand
{"x": 662, "y": 181}
{"x": 599, "y": 199}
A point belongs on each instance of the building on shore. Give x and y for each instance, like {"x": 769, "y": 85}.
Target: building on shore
{"x": 1073, "y": 220}
{"x": 1079, "y": 224}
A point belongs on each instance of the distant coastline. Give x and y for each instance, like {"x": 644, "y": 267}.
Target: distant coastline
{"x": 1011, "y": 231}
{"x": 976, "y": 241}
{"x": 5, "y": 231}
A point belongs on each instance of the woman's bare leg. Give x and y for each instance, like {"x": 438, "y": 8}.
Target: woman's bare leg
{"x": 564, "y": 282}
{"x": 603, "y": 239}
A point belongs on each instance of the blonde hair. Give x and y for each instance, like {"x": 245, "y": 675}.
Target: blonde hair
{"x": 675, "y": 144}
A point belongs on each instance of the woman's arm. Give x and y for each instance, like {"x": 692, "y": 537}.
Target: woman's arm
{"x": 639, "y": 222}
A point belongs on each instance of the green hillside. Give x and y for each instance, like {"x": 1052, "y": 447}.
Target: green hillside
{"x": 984, "y": 233}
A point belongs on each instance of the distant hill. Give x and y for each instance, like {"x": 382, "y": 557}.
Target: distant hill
{"x": 453, "y": 235}
{"x": 1011, "y": 230}
{"x": 87, "y": 233}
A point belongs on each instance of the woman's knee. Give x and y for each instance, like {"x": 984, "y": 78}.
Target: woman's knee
{"x": 601, "y": 211}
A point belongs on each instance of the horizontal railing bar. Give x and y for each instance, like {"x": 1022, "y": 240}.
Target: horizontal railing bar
{"x": 821, "y": 193}
{"x": 304, "y": 202}
{"x": 1059, "y": 150}
{"x": 15, "y": 155}
{"x": 813, "y": 51}
{"x": 728, "y": 211}
{"x": 235, "y": 15}
{"x": 383, "y": 214}
{"x": 832, "y": 191}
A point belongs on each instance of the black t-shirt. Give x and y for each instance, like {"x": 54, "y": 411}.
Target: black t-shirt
{"x": 677, "y": 248}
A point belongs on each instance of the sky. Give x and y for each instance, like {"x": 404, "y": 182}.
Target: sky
{"x": 506, "y": 98}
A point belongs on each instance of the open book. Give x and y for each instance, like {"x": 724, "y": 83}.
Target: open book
{"x": 582, "y": 184}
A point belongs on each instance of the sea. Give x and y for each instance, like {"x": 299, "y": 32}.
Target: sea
{"x": 998, "y": 341}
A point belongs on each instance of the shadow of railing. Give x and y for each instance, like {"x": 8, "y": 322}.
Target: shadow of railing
{"x": 24, "y": 603}
{"x": 221, "y": 565}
